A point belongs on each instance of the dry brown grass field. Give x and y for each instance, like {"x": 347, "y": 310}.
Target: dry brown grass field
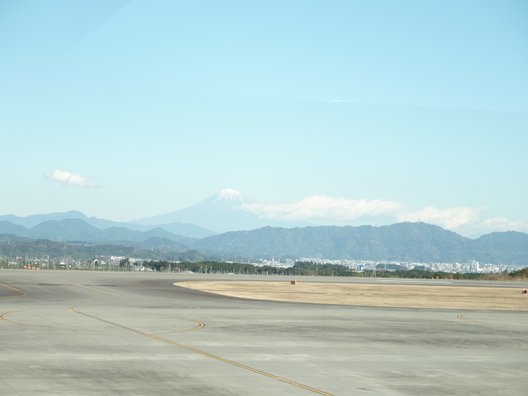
{"x": 411, "y": 296}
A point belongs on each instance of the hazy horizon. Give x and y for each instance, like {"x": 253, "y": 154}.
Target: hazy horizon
{"x": 313, "y": 211}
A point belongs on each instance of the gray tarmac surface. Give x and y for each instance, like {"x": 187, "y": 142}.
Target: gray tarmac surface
{"x": 99, "y": 333}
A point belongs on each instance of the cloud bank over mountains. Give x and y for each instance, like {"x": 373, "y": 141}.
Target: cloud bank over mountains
{"x": 321, "y": 207}
{"x": 327, "y": 210}
{"x": 231, "y": 210}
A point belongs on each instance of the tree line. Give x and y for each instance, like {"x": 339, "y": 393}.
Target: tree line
{"x": 304, "y": 268}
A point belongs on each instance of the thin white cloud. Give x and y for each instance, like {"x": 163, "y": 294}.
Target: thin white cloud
{"x": 504, "y": 224}
{"x": 450, "y": 218}
{"x": 321, "y": 207}
{"x": 70, "y": 178}
{"x": 330, "y": 210}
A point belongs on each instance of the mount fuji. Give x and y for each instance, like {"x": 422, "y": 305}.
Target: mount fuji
{"x": 228, "y": 210}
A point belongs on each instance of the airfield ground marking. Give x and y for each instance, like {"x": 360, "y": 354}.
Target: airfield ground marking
{"x": 205, "y": 354}
{"x": 20, "y": 292}
{"x": 3, "y": 315}
{"x": 199, "y": 326}
{"x": 34, "y": 324}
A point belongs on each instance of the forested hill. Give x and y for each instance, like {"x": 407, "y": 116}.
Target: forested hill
{"x": 411, "y": 242}
{"x": 417, "y": 242}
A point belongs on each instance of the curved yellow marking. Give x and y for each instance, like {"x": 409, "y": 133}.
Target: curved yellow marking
{"x": 20, "y": 292}
{"x": 199, "y": 326}
{"x": 208, "y": 355}
{"x": 3, "y": 314}
{"x": 35, "y": 324}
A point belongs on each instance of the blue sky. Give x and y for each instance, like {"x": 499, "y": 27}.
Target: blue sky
{"x": 127, "y": 109}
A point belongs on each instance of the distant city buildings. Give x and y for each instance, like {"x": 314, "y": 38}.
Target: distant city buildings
{"x": 472, "y": 266}
{"x": 121, "y": 263}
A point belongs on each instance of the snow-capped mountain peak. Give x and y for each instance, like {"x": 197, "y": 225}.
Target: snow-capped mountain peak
{"x": 227, "y": 210}
{"x": 229, "y": 194}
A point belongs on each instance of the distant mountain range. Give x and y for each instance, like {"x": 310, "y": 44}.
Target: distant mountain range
{"x": 222, "y": 212}
{"x": 153, "y": 249}
{"x": 189, "y": 230}
{"x": 29, "y": 222}
{"x": 412, "y": 242}
{"x": 77, "y": 230}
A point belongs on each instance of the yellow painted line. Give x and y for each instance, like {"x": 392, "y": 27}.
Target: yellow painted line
{"x": 240, "y": 365}
{"x": 199, "y": 326}
{"x": 3, "y": 314}
{"x": 7, "y": 317}
{"x": 208, "y": 355}
{"x": 20, "y": 292}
